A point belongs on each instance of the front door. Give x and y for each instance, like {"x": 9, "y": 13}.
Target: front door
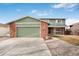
{"x": 50, "y": 31}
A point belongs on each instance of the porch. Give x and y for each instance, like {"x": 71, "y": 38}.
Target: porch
{"x": 56, "y": 30}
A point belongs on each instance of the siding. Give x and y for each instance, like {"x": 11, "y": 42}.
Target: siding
{"x": 25, "y": 20}
{"x": 28, "y": 22}
{"x": 28, "y": 27}
{"x": 53, "y": 23}
{"x": 56, "y": 24}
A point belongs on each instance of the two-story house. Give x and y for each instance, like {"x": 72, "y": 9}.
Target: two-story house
{"x": 31, "y": 27}
{"x": 56, "y": 26}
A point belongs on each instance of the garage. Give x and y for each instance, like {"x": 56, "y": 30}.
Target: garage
{"x": 28, "y": 27}
{"x": 27, "y": 32}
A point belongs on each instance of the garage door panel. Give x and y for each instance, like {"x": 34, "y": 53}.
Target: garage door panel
{"x": 28, "y": 32}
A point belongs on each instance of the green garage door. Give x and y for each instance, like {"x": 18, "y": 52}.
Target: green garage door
{"x": 28, "y": 32}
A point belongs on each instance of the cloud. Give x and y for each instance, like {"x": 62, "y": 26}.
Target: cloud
{"x": 41, "y": 12}
{"x": 33, "y": 11}
{"x": 71, "y": 21}
{"x": 66, "y": 6}
{"x": 18, "y": 10}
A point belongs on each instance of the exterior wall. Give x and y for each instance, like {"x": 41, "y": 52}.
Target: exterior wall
{"x": 44, "y": 29}
{"x": 31, "y": 22}
{"x": 27, "y": 19}
{"x": 12, "y": 29}
{"x": 28, "y": 22}
{"x": 75, "y": 29}
{"x": 28, "y": 27}
{"x": 55, "y": 22}
{"x": 4, "y": 31}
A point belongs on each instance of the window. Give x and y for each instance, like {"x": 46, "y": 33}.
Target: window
{"x": 58, "y": 31}
{"x": 58, "y": 21}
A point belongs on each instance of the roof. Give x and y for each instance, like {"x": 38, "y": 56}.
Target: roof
{"x": 3, "y": 25}
{"x": 22, "y": 18}
{"x": 41, "y": 19}
{"x": 44, "y": 21}
{"x": 75, "y": 24}
{"x": 51, "y": 18}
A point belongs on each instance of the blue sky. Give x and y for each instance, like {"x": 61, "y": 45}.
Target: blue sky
{"x": 13, "y": 11}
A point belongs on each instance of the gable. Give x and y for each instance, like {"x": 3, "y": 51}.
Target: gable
{"x": 27, "y": 20}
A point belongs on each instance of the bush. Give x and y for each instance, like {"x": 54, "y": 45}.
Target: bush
{"x": 68, "y": 32}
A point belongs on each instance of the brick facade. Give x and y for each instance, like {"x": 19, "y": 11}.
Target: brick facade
{"x": 12, "y": 29}
{"x": 44, "y": 29}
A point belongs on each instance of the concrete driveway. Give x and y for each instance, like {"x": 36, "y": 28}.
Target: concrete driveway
{"x": 59, "y": 47}
{"x": 24, "y": 47}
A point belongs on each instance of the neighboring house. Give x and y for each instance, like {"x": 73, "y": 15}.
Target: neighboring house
{"x": 74, "y": 29}
{"x": 4, "y": 30}
{"x": 31, "y": 27}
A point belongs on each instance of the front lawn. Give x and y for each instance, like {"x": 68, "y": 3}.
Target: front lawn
{"x": 73, "y": 39}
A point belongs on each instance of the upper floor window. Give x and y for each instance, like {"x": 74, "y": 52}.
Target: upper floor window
{"x": 58, "y": 21}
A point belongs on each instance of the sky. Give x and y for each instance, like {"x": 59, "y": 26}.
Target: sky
{"x": 13, "y": 11}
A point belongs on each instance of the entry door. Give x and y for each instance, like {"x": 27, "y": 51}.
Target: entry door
{"x": 52, "y": 31}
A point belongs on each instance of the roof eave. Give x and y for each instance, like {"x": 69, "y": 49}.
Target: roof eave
{"x": 21, "y": 18}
